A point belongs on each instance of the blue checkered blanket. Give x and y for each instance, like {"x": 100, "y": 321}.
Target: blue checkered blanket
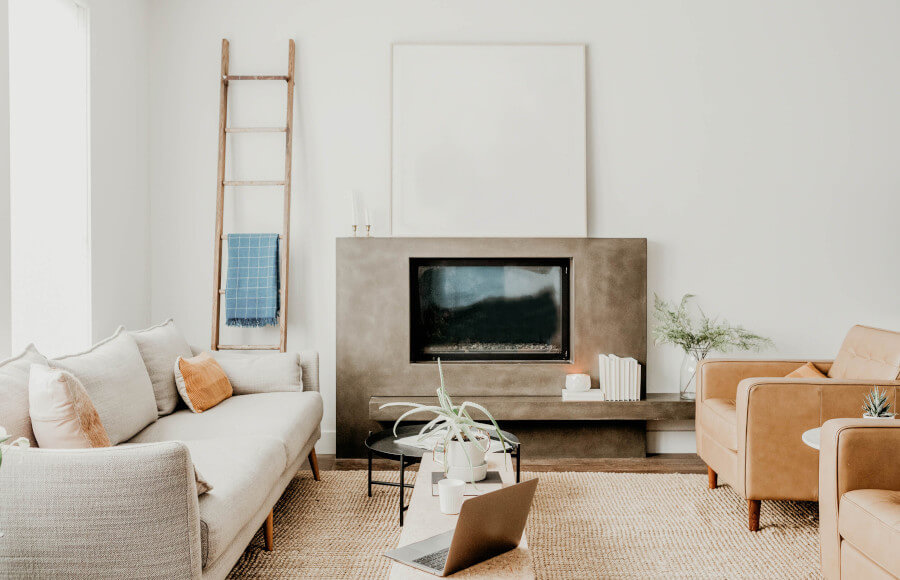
{"x": 251, "y": 286}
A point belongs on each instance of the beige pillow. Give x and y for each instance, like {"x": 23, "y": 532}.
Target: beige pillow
{"x": 201, "y": 382}
{"x": 807, "y": 371}
{"x": 14, "y": 416}
{"x": 114, "y": 376}
{"x": 261, "y": 373}
{"x": 62, "y": 414}
{"x": 160, "y": 347}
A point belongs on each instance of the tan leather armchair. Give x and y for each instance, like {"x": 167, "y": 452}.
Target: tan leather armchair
{"x": 750, "y": 418}
{"x": 859, "y": 499}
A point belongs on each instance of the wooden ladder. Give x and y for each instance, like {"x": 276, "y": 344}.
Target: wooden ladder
{"x": 284, "y": 239}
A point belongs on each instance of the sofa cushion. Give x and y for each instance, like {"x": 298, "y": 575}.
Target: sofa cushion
{"x": 869, "y": 354}
{"x": 242, "y": 472}
{"x": 113, "y": 374}
{"x": 160, "y": 347}
{"x": 807, "y": 371}
{"x": 261, "y": 373}
{"x": 62, "y": 414}
{"x": 719, "y": 418}
{"x": 292, "y": 418}
{"x": 14, "y": 415}
{"x": 870, "y": 520}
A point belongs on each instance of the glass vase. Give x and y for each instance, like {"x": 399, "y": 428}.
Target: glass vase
{"x": 688, "y": 385}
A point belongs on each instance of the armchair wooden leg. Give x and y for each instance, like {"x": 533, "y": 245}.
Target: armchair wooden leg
{"x": 270, "y": 531}
{"x": 753, "y": 510}
{"x": 314, "y": 464}
{"x": 713, "y": 478}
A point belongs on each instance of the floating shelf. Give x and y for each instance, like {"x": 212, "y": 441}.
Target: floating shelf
{"x": 656, "y": 407}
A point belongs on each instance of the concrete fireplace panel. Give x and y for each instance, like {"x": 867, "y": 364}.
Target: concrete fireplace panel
{"x": 608, "y": 313}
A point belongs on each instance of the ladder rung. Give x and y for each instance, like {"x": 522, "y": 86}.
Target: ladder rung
{"x": 249, "y": 347}
{"x": 252, "y": 182}
{"x": 256, "y": 129}
{"x": 225, "y": 237}
{"x": 222, "y": 291}
{"x": 256, "y": 77}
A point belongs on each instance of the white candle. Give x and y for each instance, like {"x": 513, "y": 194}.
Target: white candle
{"x": 368, "y": 221}
{"x": 353, "y": 202}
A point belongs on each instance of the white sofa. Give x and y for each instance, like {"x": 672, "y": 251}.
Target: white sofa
{"x": 132, "y": 511}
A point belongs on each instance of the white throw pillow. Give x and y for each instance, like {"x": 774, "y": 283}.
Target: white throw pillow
{"x": 160, "y": 347}
{"x": 261, "y": 373}
{"x": 62, "y": 413}
{"x": 114, "y": 376}
{"x": 14, "y": 416}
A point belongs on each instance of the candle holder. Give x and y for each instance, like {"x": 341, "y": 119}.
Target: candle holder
{"x": 368, "y": 230}
{"x": 355, "y": 227}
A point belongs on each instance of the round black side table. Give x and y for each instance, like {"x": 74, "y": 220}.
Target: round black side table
{"x": 383, "y": 444}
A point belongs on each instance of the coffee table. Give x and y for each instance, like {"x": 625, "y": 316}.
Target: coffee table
{"x": 425, "y": 520}
{"x": 383, "y": 444}
{"x": 811, "y": 437}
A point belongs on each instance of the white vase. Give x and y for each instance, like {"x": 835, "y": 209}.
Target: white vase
{"x": 688, "y": 382}
{"x": 466, "y": 457}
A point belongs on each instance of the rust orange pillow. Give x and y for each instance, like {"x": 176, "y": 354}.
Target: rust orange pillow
{"x": 201, "y": 382}
{"x": 807, "y": 371}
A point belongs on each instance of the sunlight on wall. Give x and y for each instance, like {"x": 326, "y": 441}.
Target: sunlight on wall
{"x": 49, "y": 177}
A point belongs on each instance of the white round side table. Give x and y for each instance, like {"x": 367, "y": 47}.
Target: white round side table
{"x": 811, "y": 437}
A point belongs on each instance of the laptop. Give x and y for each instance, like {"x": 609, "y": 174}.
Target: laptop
{"x": 488, "y": 525}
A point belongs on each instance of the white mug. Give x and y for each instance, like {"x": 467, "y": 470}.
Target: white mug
{"x": 450, "y": 494}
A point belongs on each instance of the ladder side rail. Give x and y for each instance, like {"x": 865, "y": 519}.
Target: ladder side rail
{"x": 288, "y": 155}
{"x": 220, "y": 195}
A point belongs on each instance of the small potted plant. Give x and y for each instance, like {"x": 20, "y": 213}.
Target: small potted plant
{"x": 463, "y": 440}
{"x": 876, "y": 405}
{"x": 674, "y": 325}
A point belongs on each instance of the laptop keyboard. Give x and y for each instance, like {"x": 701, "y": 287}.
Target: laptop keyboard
{"x": 434, "y": 560}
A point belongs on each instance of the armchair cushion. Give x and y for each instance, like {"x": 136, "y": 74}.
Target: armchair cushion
{"x": 807, "y": 371}
{"x": 719, "y": 417}
{"x": 870, "y": 520}
{"x": 868, "y": 353}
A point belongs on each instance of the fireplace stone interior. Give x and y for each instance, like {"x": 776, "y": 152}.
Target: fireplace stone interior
{"x": 489, "y": 309}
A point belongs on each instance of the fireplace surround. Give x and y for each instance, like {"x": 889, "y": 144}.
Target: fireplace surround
{"x": 607, "y": 313}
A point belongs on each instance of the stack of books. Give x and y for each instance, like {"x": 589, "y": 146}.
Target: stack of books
{"x": 620, "y": 378}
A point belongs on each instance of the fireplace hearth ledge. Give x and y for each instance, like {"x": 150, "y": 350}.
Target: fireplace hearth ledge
{"x": 656, "y": 407}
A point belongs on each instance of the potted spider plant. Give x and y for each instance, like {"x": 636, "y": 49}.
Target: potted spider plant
{"x": 876, "y": 405}
{"x": 463, "y": 440}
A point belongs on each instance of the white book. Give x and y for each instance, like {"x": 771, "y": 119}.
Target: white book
{"x": 603, "y": 374}
{"x": 637, "y": 386}
{"x": 591, "y": 395}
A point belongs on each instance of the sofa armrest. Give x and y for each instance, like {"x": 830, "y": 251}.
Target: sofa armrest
{"x": 309, "y": 362}
{"x": 116, "y": 512}
{"x": 855, "y": 454}
{"x": 718, "y": 378}
{"x": 772, "y": 414}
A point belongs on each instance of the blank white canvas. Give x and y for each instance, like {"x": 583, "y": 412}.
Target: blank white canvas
{"x": 489, "y": 140}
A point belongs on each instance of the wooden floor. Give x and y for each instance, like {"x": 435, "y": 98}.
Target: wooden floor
{"x": 662, "y": 463}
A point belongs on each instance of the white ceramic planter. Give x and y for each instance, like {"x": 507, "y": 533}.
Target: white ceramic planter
{"x": 466, "y": 457}
{"x": 867, "y": 416}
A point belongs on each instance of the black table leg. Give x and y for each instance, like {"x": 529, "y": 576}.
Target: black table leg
{"x": 518, "y": 463}
{"x": 402, "y": 485}
{"x": 370, "y": 473}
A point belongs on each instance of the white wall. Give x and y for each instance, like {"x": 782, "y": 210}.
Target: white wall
{"x": 5, "y": 298}
{"x": 120, "y": 220}
{"x": 120, "y": 202}
{"x": 753, "y": 144}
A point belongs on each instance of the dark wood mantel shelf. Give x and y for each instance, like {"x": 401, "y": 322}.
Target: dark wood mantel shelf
{"x": 656, "y": 407}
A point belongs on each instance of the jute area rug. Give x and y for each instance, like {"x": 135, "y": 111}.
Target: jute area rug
{"x": 582, "y": 525}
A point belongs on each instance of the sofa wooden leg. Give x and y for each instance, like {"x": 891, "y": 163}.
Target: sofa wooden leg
{"x": 713, "y": 478}
{"x": 753, "y": 510}
{"x": 314, "y": 464}
{"x": 270, "y": 531}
